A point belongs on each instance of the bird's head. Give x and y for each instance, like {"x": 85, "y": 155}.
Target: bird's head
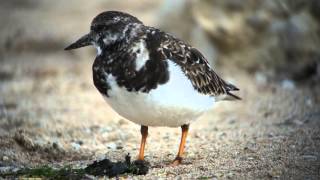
{"x": 108, "y": 28}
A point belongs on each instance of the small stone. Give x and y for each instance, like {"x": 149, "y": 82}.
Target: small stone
{"x": 288, "y": 84}
{"x": 57, "y": 145}
{"x": 122, "y": 122}
{"x": 230, "y": 175}
{"x": 80, "y": 142}
{"x": 112, "y": 146}
{"x": 270, "y": 135}
{"x": 221, "y": 135}
{"x": 234, "y": 5}
{"x": 273, "y": 173}
{"x": 166, "y": 136}
{"x": 309, "y": 102}
{"x": 250, "y": 149}
{"x": 197, "y": 135}
{"x": 277, "y": 26}
{"x": 298, "y": 122}
{"x": 310, "y": 157}
{"x": 258, "y": 21}
{"x": 231, "y": 120}
{"x": 261, "y": 79}
{"x": 119, "y": 147}
{"x": 5, "y": 169}
{"x": 76, "y": 146}
{"x": 40, "y": 142}
{"x": 5, "y": 158}
{"x": 87, "y": 130}
{"x": 105, "y": 129}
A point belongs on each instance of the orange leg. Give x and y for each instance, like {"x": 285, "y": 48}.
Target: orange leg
{"x": 178, "y": 159}
{"x": 144, "y": 133}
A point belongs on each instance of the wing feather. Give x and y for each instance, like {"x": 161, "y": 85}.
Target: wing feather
{"x": 194, "y": 65}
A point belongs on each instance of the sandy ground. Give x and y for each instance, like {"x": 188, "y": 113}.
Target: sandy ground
{"x": 50, "y": 113}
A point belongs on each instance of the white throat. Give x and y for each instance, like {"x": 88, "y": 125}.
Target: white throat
{"x": 98, "y": 48}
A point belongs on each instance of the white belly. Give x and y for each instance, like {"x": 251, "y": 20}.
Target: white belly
{"x": 172, "y": 104}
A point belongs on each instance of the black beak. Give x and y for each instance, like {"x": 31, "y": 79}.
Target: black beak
{"x": 82, "y": 42}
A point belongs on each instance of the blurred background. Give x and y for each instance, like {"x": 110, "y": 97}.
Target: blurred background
{"x": 50, "y": 112}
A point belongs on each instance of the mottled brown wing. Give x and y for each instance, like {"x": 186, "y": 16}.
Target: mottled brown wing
{"x": 192, "y": 62}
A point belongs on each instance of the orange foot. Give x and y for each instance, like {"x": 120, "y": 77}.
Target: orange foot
{"x": 176, "y": 161}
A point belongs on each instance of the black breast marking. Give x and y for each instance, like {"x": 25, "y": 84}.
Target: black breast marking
{"x": 99, "y": 77}
{"x": 121, "y": 63}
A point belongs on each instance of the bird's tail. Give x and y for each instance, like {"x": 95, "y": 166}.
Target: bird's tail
{"x": 228, "y": 96}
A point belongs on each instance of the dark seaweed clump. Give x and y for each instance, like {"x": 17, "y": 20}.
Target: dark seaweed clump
{"x": 112, "y": 169}
{"x": 104, "y": 167}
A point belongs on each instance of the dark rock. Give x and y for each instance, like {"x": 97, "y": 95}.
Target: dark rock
{"x": 6, "y": 75}
{"x": 306, "y": 71}
{"x": 315, "y": 9}
{"x": 113, "y": 169}
{"x": 258, "y": 22}
{"x": 235, "y": 5}
{"x": 141, "y": 167}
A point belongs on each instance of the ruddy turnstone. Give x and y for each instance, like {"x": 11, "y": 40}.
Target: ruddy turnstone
{"x": 150, "y": 77}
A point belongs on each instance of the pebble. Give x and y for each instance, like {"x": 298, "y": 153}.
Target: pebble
{"x": 288, "y": 84}
{"x": 275, "y": 7}
{"x": 80, "y": 142}
{"x": 231, "y": 120}
{"x": 112, "y": 146}
{"x": 5, "y": 158}
{"x": 105, "y": 129}
{"x": 76, "y": 146}
{"x": 230, "y": 175}
{"x": 277, "y": 26}
{"x": 248, "y": 149}
{"x": 270, "y": 135}
{"x": 298, "y": 122}
{"x": 274, "y": 174}
{"x": 309, "y": 102}
{"x": 310, "y": 157}
{"x": 119, "y": 147}
{"x": 261, "y": 79}
{"x": 57, "y": 145}
{"x": 40, "y": 142}
{"x": 235, "y": 5}
{"x": 122, "y": 122}
{"x": 258, "y": 21}
{"x": 198, "y": 135}
{"x": 87, "y": 130}
{"x": 6, "y": 169}
{"x": 221, "y": 135}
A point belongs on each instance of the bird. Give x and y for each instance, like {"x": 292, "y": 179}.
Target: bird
{"x": 150, "y": 77}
